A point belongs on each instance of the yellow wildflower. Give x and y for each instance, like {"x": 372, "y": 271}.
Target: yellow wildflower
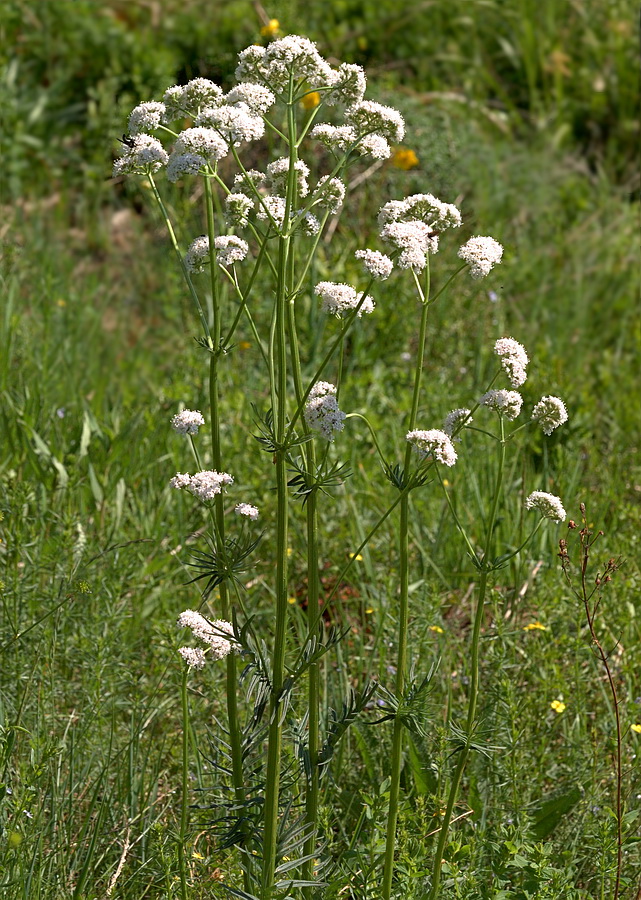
{"x": 244, "y": 345}
{"x": 291, "y": 600}
{"x": 535, "y": 626}
{"x": 61, "y": 302}
{"x": 636, "y": 728}
{"x": 558, "y": 706}
{"x": 271, "y": 29}
{"x": 311, "y": 100}
{"x": 370, "y": 609}
{"x": 404, "y": 158}
{"x": 289, "y": 551}
{"x": 357, "y": 556}
{"x": 436, "y": 628}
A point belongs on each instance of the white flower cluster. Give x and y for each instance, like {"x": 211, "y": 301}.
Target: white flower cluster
{"x": 146, "y": 117}
{"x": 235, "y": 124}
{"x": 514, "y": 360}
{"x": 348, "y": 85}
{"x": 321, "y": 410}
{"x": 216, "y": 635}
{"x": 329, "y": 193}
{"x": 550, "y": 412}
{"x": 188, "y": 99}
{"x": 194, "y": 148}
{"x": 426, "y": 208}
{"x": 230, "y": 249}
{"x": 197, "y": 255}
{"x": 188, "y": 421}
{"x": 414, "y": 240}
{"x": 273, "y": 64}
{"x": 204, "y": 141}
{"x": 549, "y": 505}
{"x": 256, "y": 97}
{"x": 368, "y": 117}
{"x": 335, "y": 137}
{"x": 376, "y": 264}
{"x": 413, "y": 226}
{"x": 204, "y": 485}
{"x": 455, "y": 419}
{"x": 341, "y": 298}
{"x": 506, "y": 403}
{"x": 433, "y": 443}
{"x": 247, "y": 510}
{"x": 143, "y": 154}
{"x": 278, "y": 172}
{"x": 481, "y": 254}
{"x": 237, "y": 209}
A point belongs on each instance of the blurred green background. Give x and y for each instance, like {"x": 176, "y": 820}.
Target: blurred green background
{"x": 524, "y": 113}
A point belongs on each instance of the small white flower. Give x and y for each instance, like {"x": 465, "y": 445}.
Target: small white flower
{"x": 188, "y": 421}
{"x": 321, "y": 410}
{"x": 237, "y": 209}
{"x": 297, "y": 56}
{"x": 336, "y": 137}
{"x": 201, "y": 92}
{"x": 330, "y": 193}
{"x": 146, "y": 117}
{"x": 203, "y": 141}
{"x": 506, "y": 403}
{"x": 433, "y": 443}
{"x": 256, "y": 97}
{"x": 374, "y": 145}
{"x": 310, "y": 224}
{"x": 454, "y": 418}
{"x": 274, "y": 208}
{"x": 246, "y": 509}
{"x": 197, "y": 254}
{"x": 548, "y": 505}
{"x": 235, "y": 124}
{"x": 184, "y": 164}
{"x": 376, "y": 264}
{"x": 193, "y": 656}
{"x": 206, "y": 485}
{"x": 348, "y": 85}
{"x": 230, "y": 249}
{"x": 514, "y": 360}
{"x": 414, "y": 239}
{"x": 368, "y": 116}
{"x": 278, "y": 172}
{"x": 250, "y": 178}
{"x": 180, "y": 481}
{"x": 340, "y": 298}
{"x": 550, "y": 412}
{"x": 251, "y": 64}
{"x": 481, "y": 254}
{"x": 146, "y": 155}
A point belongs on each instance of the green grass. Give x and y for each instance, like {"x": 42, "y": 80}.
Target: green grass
{"x": 97, "y": 332}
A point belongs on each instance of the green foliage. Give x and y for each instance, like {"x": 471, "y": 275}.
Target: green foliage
{"x": 94, "y": 329}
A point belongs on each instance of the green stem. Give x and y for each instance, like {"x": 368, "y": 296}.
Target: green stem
{"x": 403, "y": 615}
{"x": 185, "y": 271}
{"x": 184, "y": 800}
{"x": 274, "y": 742}
{"x": 235, "y": 738}
{"x": 464, "y": 751}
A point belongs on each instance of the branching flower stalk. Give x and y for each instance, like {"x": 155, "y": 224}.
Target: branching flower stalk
{"x": 403, "y": 615}
{"x": 280, "y": 211}
{"x": 589, "y": 594}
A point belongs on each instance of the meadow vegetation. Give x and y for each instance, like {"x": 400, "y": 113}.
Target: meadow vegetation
{"x": 526, "y": 119}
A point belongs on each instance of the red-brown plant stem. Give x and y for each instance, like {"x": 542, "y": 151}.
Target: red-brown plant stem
{"x": 586, "y": 593}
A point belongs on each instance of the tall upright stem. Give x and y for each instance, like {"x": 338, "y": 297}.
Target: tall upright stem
{"x": 403, "y": 614}
{"x": 472, "y": 702}
{"x": 235, "y": 740}
{"x": 184, "y": 800}
{"x": 272, "y": 785}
